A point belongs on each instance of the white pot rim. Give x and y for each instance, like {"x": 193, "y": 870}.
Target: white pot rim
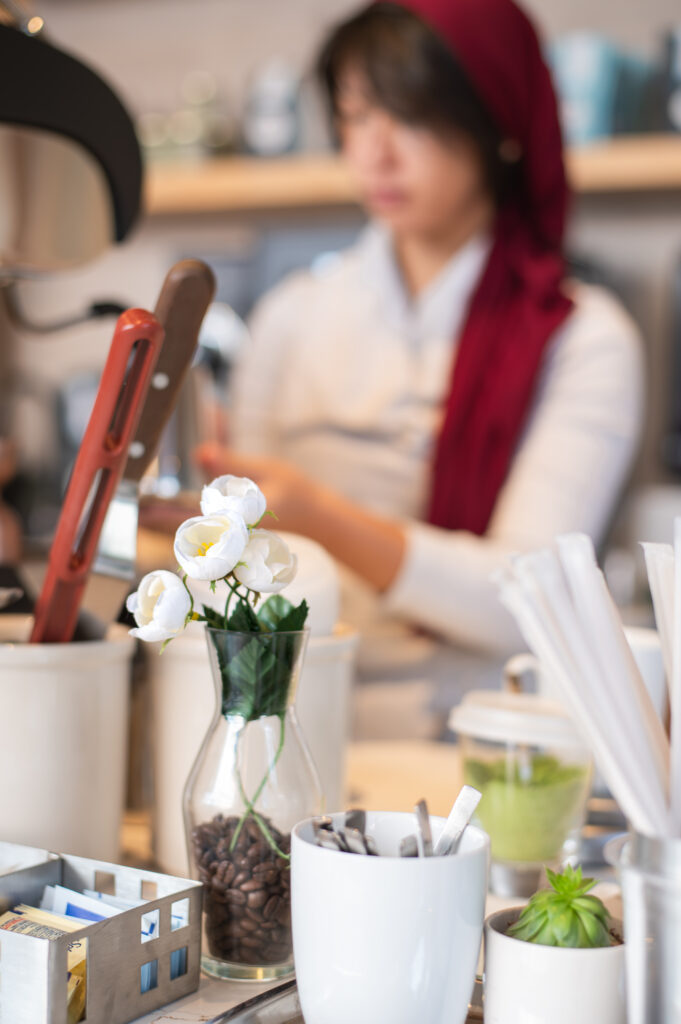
{"x": 15, "y": 651}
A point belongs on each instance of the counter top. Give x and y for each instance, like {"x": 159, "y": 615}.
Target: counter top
{"x": 390, "y": 775}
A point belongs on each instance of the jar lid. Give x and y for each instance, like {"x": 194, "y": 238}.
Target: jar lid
{"x": 514, "y": 718}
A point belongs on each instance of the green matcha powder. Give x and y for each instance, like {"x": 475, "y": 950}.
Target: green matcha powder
{"x": 528, "y": 807}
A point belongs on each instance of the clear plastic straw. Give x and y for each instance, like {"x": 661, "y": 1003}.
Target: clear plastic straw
{"x": 660, "y": 568}
{"x": 607, "y": 696}
{"x": 538, "y": 626}
{"x": 602, "y": 629}
{"x": 675, "y": 688}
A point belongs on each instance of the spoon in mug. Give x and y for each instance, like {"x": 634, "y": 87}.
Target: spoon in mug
{"x": 424, "y": 834}
{"x": 459, "y": 817}
{"x": 409, "y": 846}
{"x": 356, "y": 818}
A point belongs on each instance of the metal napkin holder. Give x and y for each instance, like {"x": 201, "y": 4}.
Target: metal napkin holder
{"x": 33, "y": 971}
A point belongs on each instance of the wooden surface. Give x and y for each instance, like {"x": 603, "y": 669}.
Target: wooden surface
{"x": 394, "y": 775}
{"x": 231, "y": 184}
{"x": 644, "y": 163}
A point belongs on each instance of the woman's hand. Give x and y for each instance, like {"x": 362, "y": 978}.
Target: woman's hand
{"x": 290, "y": 494}
{"x": 371, "y": 546}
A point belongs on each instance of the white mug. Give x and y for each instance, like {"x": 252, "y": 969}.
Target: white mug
{"x": 645, "y": 647}
{"x": 387, "y": 939}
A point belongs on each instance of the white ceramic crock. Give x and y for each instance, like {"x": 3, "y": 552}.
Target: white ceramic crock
{"x": 387, "y": 939}
{"x": 64, "y": 740}
{"x": 527, "y": 984}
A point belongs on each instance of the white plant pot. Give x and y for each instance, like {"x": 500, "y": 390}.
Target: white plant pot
{"x": 183, "y": 703}
{"x": 64, "y": 740}
{"x": 530, "y": 984}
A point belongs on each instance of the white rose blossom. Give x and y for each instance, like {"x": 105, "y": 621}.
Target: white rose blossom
{"x": 160, "y": 606}
{"x": 266, "y": 564}
{"x": 209, "y": 547}
{"x": 234, "y": 494}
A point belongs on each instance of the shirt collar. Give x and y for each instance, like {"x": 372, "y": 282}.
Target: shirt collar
{"x": 441, "y": 307}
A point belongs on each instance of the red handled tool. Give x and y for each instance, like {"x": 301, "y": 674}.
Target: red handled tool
{"x": 97, "y": 471}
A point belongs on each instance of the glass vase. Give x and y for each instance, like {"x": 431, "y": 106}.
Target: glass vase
{"x": 252, "y": 780}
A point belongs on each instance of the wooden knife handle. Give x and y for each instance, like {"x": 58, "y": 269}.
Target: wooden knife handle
{"x": 187, "y": 292}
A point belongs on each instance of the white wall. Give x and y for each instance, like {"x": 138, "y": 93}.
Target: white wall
{"x": 147, "y": 46}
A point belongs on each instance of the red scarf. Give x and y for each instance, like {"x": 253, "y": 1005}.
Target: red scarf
{"x": 518, "y": 303}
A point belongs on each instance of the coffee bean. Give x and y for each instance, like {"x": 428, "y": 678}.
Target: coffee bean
{"x": 256, "y": 899}
{"x": 242, "y": 877}
{"x": 271, "y": 907}
{"x": 283, "y": 914}
{"x": 235, "y": 896}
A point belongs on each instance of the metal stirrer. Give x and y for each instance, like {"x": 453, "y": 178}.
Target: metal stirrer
{"x": 424, "y": 834}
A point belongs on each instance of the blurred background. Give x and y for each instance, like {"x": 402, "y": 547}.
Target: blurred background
{"x": 240, "y": 172}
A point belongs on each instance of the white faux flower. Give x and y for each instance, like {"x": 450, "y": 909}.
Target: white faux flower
{"x": 208, "y": 547}
{"x": 234, "y": 494}
{"x": 266, "y": 565}
{"x": 160, "y": 606}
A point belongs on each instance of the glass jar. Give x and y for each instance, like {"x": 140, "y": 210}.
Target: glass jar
{"x": 252, "y": 780}
{"x": 526, "y": 757}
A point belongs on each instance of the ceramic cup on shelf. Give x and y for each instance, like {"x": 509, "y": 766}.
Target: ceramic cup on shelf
{"x": 387, "y": 938}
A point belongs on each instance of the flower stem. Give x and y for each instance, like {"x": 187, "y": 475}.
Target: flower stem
{"x": 250, "y": 804}
{"x": 234, "y": 588}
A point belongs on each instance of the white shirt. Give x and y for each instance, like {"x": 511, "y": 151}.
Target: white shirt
{"x": 346, "y": 377}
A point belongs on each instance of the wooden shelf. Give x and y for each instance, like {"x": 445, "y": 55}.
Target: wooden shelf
{"x": 645, "y": 163}
{"x": 635, "y": 163}
{"x": 243, "y": 183}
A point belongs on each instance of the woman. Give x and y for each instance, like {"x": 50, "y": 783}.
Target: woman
{"x": 442, "y": 396}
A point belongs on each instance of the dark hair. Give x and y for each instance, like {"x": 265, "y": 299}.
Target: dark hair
{"x": 414, "y": 75}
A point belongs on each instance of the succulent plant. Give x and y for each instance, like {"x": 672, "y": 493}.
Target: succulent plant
{"x": 564, "y": 915}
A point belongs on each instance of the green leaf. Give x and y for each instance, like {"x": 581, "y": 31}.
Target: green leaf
{"x": 563, "y": 915}
{"x": 243, "y": 619}
{"x": 294, "y": 620}
{"x": 213, "y": 618}
{"x": 273, "y": 610}
{"x": 278, "y": 615}
{"x": 246, "y": 674}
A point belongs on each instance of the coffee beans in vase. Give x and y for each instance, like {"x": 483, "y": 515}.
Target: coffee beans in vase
{"x": 247, "y": 889}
